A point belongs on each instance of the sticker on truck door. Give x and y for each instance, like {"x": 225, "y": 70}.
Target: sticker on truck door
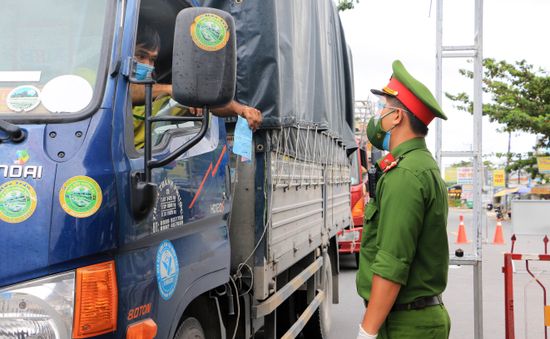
{"x": 167, "y": 268}
{"x": 210, "y": 32}
{"x": 168, "y": 211}
{"x": 17, "y": 201}
{"x": 80, "y": 196}
{"x": 23, "y": 98}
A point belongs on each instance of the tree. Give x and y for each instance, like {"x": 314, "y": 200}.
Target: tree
{"x": 346, "y": 4}
{"x": 520, "y": 100}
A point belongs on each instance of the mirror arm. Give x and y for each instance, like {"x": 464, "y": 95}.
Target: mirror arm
{"x": 148, "y": 122}
{"x": 186, "y": 146}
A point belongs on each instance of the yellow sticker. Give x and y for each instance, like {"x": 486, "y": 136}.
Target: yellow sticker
{"x": 209, "y": 32}
{"x": 17, "y": 201}
{"x": 80, "y": 196}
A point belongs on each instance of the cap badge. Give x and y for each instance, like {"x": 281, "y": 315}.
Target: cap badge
{"x": 390, "y": 91}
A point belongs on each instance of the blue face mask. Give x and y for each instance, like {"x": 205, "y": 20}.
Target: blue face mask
{"x": 143, "y": 71}
{"x": 386, "y": 142}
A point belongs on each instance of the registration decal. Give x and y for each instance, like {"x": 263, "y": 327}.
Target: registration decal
{"x": 80, "y": 196}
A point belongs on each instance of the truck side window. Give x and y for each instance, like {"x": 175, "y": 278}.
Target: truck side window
{"x": 153, "y": 52}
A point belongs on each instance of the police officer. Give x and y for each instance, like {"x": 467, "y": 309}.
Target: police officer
{"x": 404, "y": 250}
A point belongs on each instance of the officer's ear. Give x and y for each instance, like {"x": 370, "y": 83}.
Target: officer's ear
{"x": 399, "y": 117}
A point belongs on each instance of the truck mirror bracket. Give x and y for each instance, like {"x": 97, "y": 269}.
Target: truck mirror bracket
{"x": 143, "y": 196}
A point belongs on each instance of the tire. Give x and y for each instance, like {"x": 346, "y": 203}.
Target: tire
{"x": 357, "y": 255}
{"x": 319, "y": 324}
{"x": 190, "y": 328}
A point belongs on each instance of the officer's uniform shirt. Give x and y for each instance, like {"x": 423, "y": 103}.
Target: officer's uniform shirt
{"x": 405, "y": 237}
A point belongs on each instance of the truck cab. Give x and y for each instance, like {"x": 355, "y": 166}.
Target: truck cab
{"x": 69, "y": 187}
{"x": 349, "y": 239}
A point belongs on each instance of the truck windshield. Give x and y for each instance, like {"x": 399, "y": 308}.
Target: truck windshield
{"x": 50, "y": 56}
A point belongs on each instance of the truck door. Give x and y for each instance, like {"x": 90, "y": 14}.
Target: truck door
{"x": 180, "y": 249}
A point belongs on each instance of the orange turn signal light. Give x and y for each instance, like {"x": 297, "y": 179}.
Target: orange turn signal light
{"x": 146, "y": 329}
{"x": 95, "y": 300}
{"x": 359, "y": 208}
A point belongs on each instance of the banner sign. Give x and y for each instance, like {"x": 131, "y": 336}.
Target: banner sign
{"x": 464, "y": 175}
{"x": 544, "y": 165}
{"x": 498, "y": 178}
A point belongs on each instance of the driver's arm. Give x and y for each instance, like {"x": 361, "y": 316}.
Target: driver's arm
{"x": 138, "y": 92}
{"x": 252, "y": 115}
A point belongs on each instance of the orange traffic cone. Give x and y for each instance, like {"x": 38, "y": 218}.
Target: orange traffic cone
{"x": 461, "y": 237}
{"x": 499, "y": 238}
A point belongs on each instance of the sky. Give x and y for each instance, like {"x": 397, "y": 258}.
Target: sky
{"x": 379, "y": 32}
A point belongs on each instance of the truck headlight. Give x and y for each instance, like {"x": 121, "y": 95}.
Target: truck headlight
{"x": 41, "y": 308}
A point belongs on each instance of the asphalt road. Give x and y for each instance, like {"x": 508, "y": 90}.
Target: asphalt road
{"x": 459, "y": 296}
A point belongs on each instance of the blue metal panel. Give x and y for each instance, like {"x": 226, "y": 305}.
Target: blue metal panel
{"x": 24, "y": 245}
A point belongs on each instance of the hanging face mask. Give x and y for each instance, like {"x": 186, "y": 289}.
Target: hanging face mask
{"x": 376, "y": 135}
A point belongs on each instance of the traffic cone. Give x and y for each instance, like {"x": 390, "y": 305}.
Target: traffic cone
{"x": 461, "y": 237}
{"x": 499, "y": 238}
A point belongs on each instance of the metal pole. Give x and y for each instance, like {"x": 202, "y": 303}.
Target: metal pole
{"x": 478, "y": 74}
{"x": 438, "y": 78}
{"x": 147, "y": 150}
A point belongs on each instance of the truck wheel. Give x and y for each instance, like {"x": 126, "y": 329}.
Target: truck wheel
{"x": 319, "y": 324}
{"x": 357, "y": 259}
{"x": 190, "y": 328}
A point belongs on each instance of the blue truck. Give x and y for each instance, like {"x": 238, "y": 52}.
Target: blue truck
{"x": 183, "y": 238}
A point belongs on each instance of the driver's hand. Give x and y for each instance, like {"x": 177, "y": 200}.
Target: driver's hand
{"x": 252, "y": 115}
{"x": 196, "y": 111}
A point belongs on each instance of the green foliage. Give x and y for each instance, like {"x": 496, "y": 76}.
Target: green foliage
{"x": 462, "y": 163}
{"x": 486, "y": 163}
{"x": 346, "y": 4}
{"x": 520, "y": 100}
{"x": 518, "y": 161}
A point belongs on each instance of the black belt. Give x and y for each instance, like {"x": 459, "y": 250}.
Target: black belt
{"x": 418, "y": 304}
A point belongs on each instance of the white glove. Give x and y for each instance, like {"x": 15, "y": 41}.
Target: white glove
{"x": 364, "y": 335}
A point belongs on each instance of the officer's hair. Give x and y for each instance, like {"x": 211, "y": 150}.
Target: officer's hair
{"x": 417, "y": 126}
{"x": 148, "y": 38}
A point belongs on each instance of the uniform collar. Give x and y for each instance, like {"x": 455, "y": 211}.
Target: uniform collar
{"x": 392, "y": 159}
{"x": 407, "y": 146}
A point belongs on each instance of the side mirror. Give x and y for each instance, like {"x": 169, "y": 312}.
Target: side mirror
{"x": 204, "y": 58}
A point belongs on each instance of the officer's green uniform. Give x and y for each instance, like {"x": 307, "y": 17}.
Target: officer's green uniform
{"x": 405, "y": 239}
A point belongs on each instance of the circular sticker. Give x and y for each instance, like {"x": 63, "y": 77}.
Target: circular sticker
{"x": 210, "y": 32}
{"x": 80, "y": 196}
{"x": 66, "y": 94}
{"x": 167, "y": 268}
{"x": 23, "y": 98}
{"x": 17, "y": 201}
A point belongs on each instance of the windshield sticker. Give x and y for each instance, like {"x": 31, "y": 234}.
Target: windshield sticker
{"x": 80, "y": 196}
{"x": 17, "y": 201}
{"x": 23, "y": 98}
{"x": 66, "y": 94}
{"x": 167, "y": 268}
{"x": 20, "y": 169}
{"x": 210, "y": 32}
{"x": 168, "y": 211}
{"x": 20, "y": 76}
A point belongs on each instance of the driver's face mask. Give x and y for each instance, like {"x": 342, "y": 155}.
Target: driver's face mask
{"x": 143, "y": 71}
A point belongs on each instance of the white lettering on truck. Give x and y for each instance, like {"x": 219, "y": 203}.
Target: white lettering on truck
{"x": 18, "y": 171}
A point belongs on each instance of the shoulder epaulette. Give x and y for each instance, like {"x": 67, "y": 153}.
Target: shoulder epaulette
{"x": 389, "y": 162}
